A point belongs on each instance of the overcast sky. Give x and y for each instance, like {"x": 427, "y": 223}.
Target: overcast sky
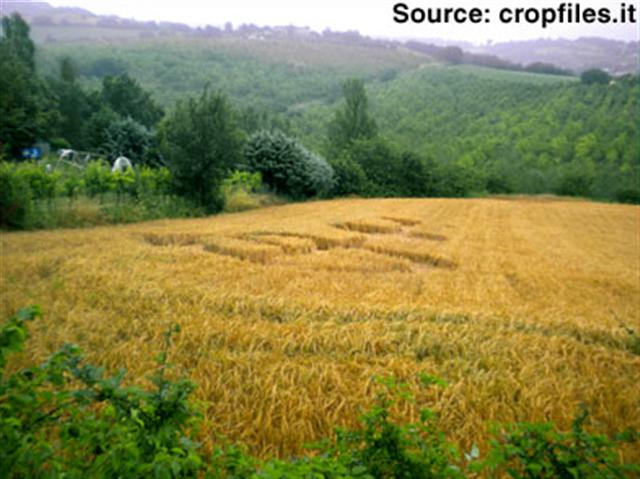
{"x": 370, "y": 17}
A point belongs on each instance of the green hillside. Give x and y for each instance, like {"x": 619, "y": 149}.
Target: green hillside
{"x": 521, "y": 129}
{"x": 272, "y": 73}
{"x": 518, "y": 131}
{"x": 496, "y": 131}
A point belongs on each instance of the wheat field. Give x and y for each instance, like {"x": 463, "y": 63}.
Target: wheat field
{"x": 526, "y": 307}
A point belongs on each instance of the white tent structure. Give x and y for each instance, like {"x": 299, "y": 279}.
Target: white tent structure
{"x": 121, "y": 164}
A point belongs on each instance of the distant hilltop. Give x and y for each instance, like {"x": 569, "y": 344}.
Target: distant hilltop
{"x": 613, "y": 56}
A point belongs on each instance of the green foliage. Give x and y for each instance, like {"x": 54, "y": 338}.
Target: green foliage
{"x": 43, "y": 185}
{"x": 390, "y": 171}
{"x": 127, "y": 137}
{"x": 97, "y": 125}
{"x": 486, "y": 130}
{"x": 263, "y": 76}
{"x": 15, "y": 37}
{"x": 98, "y": 179}
{"x": 628, "y": 195}
{"x": 32, "y": 196}
{"x": 103, "y": 67}
{"x": 319, "y": 173}
{"x": 26, "y": 112}
{"x": 50, "y": 427}
{"x": 73, "y": 104}
{"x": 350, "y": 178}
{"x": 351, "y": 120}
{"x": 201, "y": 143}
{"x": 595, "y": 76}
{"x": 15, "y": 198}
{"x": 379, "y": 159}
{"x": 254, "y": 119}
{"x": 126, "y": 97}
{"x": 575, "y": 181}
{"x": 124, "y": 182}
{"x": 71, "y": 186}
{"x": 243, "y": 180}
{"x": 287, "y": 166}
{"x": 497, "y": 131}
{"x": 386, "y": 449}
{"x": 150, "y": 182}
{"x": 537, "y": 451}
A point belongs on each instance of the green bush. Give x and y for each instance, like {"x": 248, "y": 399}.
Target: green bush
{"x": 381, "y": 162}
{"x": 575, "y": 183}
{"x": 628, "y": 195}
{"x": 72, "y": 185}
{"x": 239, "y": 191}
{"x": 243, "y": 180}
{"x": 319, "y": 174}
{"x": 97, "y": 179}
{"x": 287, "y": 166}
{"x": 538, "y": 451}
{"x": 595, "y": 76}
{"x": 43, "y": 184}
{"x": 127, "y": 137}
{"x": 350, "y": 178}
{"x": 15, "y": 198}
{"x": 152, "y": 181}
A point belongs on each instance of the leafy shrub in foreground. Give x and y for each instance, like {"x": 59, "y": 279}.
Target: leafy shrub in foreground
{"x": 538, "y": 451}
{"x": 50, "y": 427}
{"x": 388, "y": 449}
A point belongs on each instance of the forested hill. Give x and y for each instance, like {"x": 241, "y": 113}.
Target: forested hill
{"x": 275, "y": 73}
{"x": 511, "y": 131}
{"x": 494, "y": 130}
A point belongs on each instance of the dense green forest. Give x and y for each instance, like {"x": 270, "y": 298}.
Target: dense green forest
{"x": 511, "y": 131}
{"x": 502, "y": 131}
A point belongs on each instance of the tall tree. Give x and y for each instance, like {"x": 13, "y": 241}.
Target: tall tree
{"x": 201, "y": 143}
{"x": 351, "y": 121}
{"x": 73, "y": 104}
{"x": 125, "y": 96}
{"x": 26, "y": 113}
{"x": 15, "y": 36}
